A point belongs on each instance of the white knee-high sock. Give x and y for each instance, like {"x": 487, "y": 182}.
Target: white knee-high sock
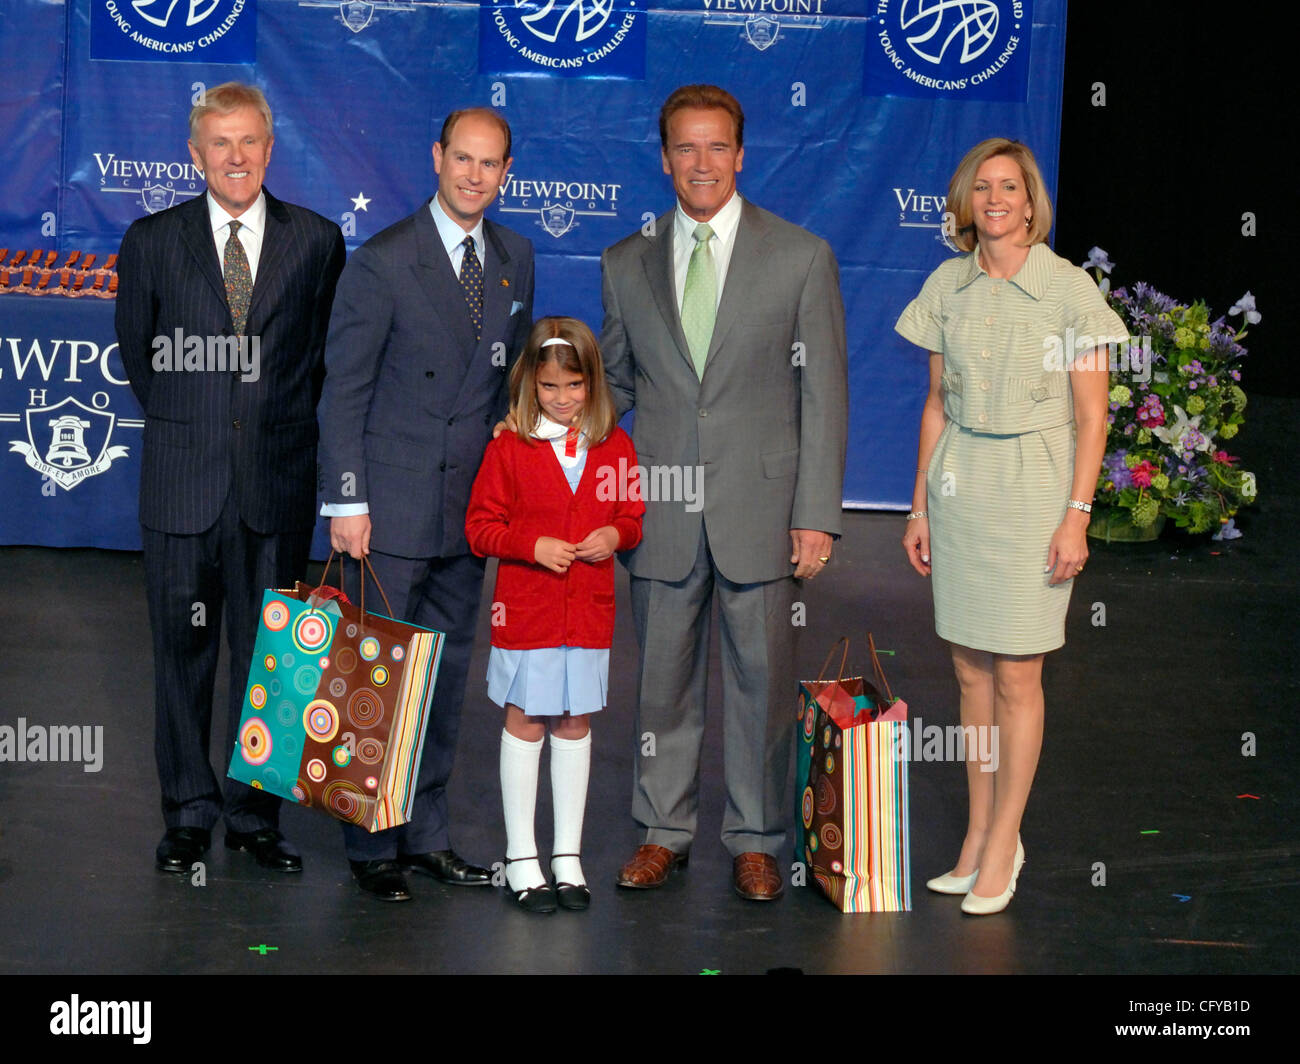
{"x": 570, "y": 768}
{"x": 519, "y": 770}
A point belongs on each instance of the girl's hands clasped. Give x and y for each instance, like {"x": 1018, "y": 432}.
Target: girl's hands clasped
{"x": 599, "y": 545}
{"x": 555, "y": 554}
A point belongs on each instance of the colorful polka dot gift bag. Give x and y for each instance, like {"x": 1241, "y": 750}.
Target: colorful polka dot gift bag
{"x": 851, "y": 830}
{"x": 336, "y": 707}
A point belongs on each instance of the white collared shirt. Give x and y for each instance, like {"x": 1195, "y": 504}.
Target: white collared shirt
{"x": 453, "y": 236}
{"x": 724, "y": 225}
{"x": 251, "y": 230}
{"x": 548, "y": 429}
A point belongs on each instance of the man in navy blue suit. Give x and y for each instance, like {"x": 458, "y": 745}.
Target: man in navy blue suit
{"x": 429, "y": 315}
{"x": 221, "y": 313}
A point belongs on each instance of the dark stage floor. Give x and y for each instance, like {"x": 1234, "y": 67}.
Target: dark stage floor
{"x": 1142, "y": 772}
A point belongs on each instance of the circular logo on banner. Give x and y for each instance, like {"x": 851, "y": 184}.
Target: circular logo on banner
{"x": 566, "y": 36}
{"x": 195, "y": 30}
{"x": 968, "y": 47}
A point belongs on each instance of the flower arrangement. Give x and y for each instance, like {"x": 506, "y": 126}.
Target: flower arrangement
{"x": 1169, "y": 423}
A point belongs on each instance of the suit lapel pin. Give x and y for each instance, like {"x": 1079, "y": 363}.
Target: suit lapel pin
{"x": 505, "y": 282}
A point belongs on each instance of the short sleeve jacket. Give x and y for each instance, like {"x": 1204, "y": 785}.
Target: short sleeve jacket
{"x": 1007, "y": 344}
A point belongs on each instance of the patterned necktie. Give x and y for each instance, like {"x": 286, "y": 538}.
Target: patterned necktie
{"x": 239, "y": 279}
{"x": 700, "y": 298}
{"x": 471, "y": 279}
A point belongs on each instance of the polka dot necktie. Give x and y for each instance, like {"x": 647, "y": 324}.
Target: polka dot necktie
{"x": 239, "y": 279}
{"x": 700, "y": 298}
{"x": 471, "y": 279}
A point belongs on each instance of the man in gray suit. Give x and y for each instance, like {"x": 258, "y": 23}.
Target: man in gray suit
{"x": 724, "y": 329}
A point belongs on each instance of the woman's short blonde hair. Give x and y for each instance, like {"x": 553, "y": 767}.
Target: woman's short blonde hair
{"x": 961, "y": 188}
{"x": 579, "y": 353}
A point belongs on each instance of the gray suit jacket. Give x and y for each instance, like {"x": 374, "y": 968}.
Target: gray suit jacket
{"x": 765, "y": 428}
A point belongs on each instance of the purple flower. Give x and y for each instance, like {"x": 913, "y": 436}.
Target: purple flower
{"x": 1157, "y": 302}
{"x": 1228, "y": 531}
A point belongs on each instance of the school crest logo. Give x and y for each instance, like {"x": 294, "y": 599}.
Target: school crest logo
{"x": 157, "y": 198}
{"x": 356, "y": 15}
{"x": 68, "y": 442}
{"x": 557, "y": 219}
{"x": 762, "y": 32}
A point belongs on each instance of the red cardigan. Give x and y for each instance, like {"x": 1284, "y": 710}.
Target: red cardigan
{"x": 520, "y": 495}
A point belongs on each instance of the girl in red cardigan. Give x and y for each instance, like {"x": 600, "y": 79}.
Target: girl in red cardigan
{"x": 553, "y": 501}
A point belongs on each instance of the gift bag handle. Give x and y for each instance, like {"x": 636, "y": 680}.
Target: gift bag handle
{"x": 365, "y": 562}
{"x": 880, "y": 672}
{"x": 844, "y": 641}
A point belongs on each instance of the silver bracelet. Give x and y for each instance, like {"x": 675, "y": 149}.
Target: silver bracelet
{"x": 918, "y": 513}
{"x": 1075, "y": 504}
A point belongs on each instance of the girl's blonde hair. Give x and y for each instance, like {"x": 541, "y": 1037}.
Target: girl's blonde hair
{"x": 579, "y": 353}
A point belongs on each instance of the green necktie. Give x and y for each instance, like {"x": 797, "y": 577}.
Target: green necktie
{"x": 239, "y": 279}
{"x": 700, "y": 299}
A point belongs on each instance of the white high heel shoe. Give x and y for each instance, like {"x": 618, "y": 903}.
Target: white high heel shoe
{"x": 950, "y": 884}
{"x": 976, "y": 905}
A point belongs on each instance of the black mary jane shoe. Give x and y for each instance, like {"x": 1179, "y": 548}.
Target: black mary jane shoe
{"x": 572, "y": 896}
{"x": 532, "y": 899}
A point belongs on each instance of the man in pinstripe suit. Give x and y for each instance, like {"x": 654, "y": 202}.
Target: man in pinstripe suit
{"x": 221, "y": 315}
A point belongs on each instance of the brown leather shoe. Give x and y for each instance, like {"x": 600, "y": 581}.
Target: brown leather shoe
{"x": 649, "y": 867}
{"x": 756, "y": 877}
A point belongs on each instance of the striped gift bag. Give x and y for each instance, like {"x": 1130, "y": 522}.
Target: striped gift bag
{"x": 337, "y": 706}
{"x": 852, "y": 819}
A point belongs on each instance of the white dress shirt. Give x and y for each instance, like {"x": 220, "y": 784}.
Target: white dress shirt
{"x": 453, "y": 236}
{"x": 251, "y": 230}
{"x": 724, "y": 225}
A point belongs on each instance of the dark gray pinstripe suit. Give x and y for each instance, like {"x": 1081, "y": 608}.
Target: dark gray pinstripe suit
{"x": 228, "y": 474}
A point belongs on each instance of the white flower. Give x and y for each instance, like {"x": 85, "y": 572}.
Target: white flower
{"x": 1172, "y": 435}
{"x": 1099, "y": 260}
{"x": 1246, "y": 305}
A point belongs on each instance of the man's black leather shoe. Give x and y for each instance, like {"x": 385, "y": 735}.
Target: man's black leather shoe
{"x": 180, "y": 848}
{"x": 446, "y": 867}
{"x": 268, "y": 846}
{"x": 381, "y": 879}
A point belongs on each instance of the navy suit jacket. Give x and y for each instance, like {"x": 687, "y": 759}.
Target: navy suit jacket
{"x": 410, "y": 396}
{"x": 209, "y": 432}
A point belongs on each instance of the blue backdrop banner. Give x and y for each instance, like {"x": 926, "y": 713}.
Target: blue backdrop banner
{"x": 857, "y": 112}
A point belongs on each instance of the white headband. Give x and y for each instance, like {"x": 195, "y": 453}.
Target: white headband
{"x": 556, "y": 340}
